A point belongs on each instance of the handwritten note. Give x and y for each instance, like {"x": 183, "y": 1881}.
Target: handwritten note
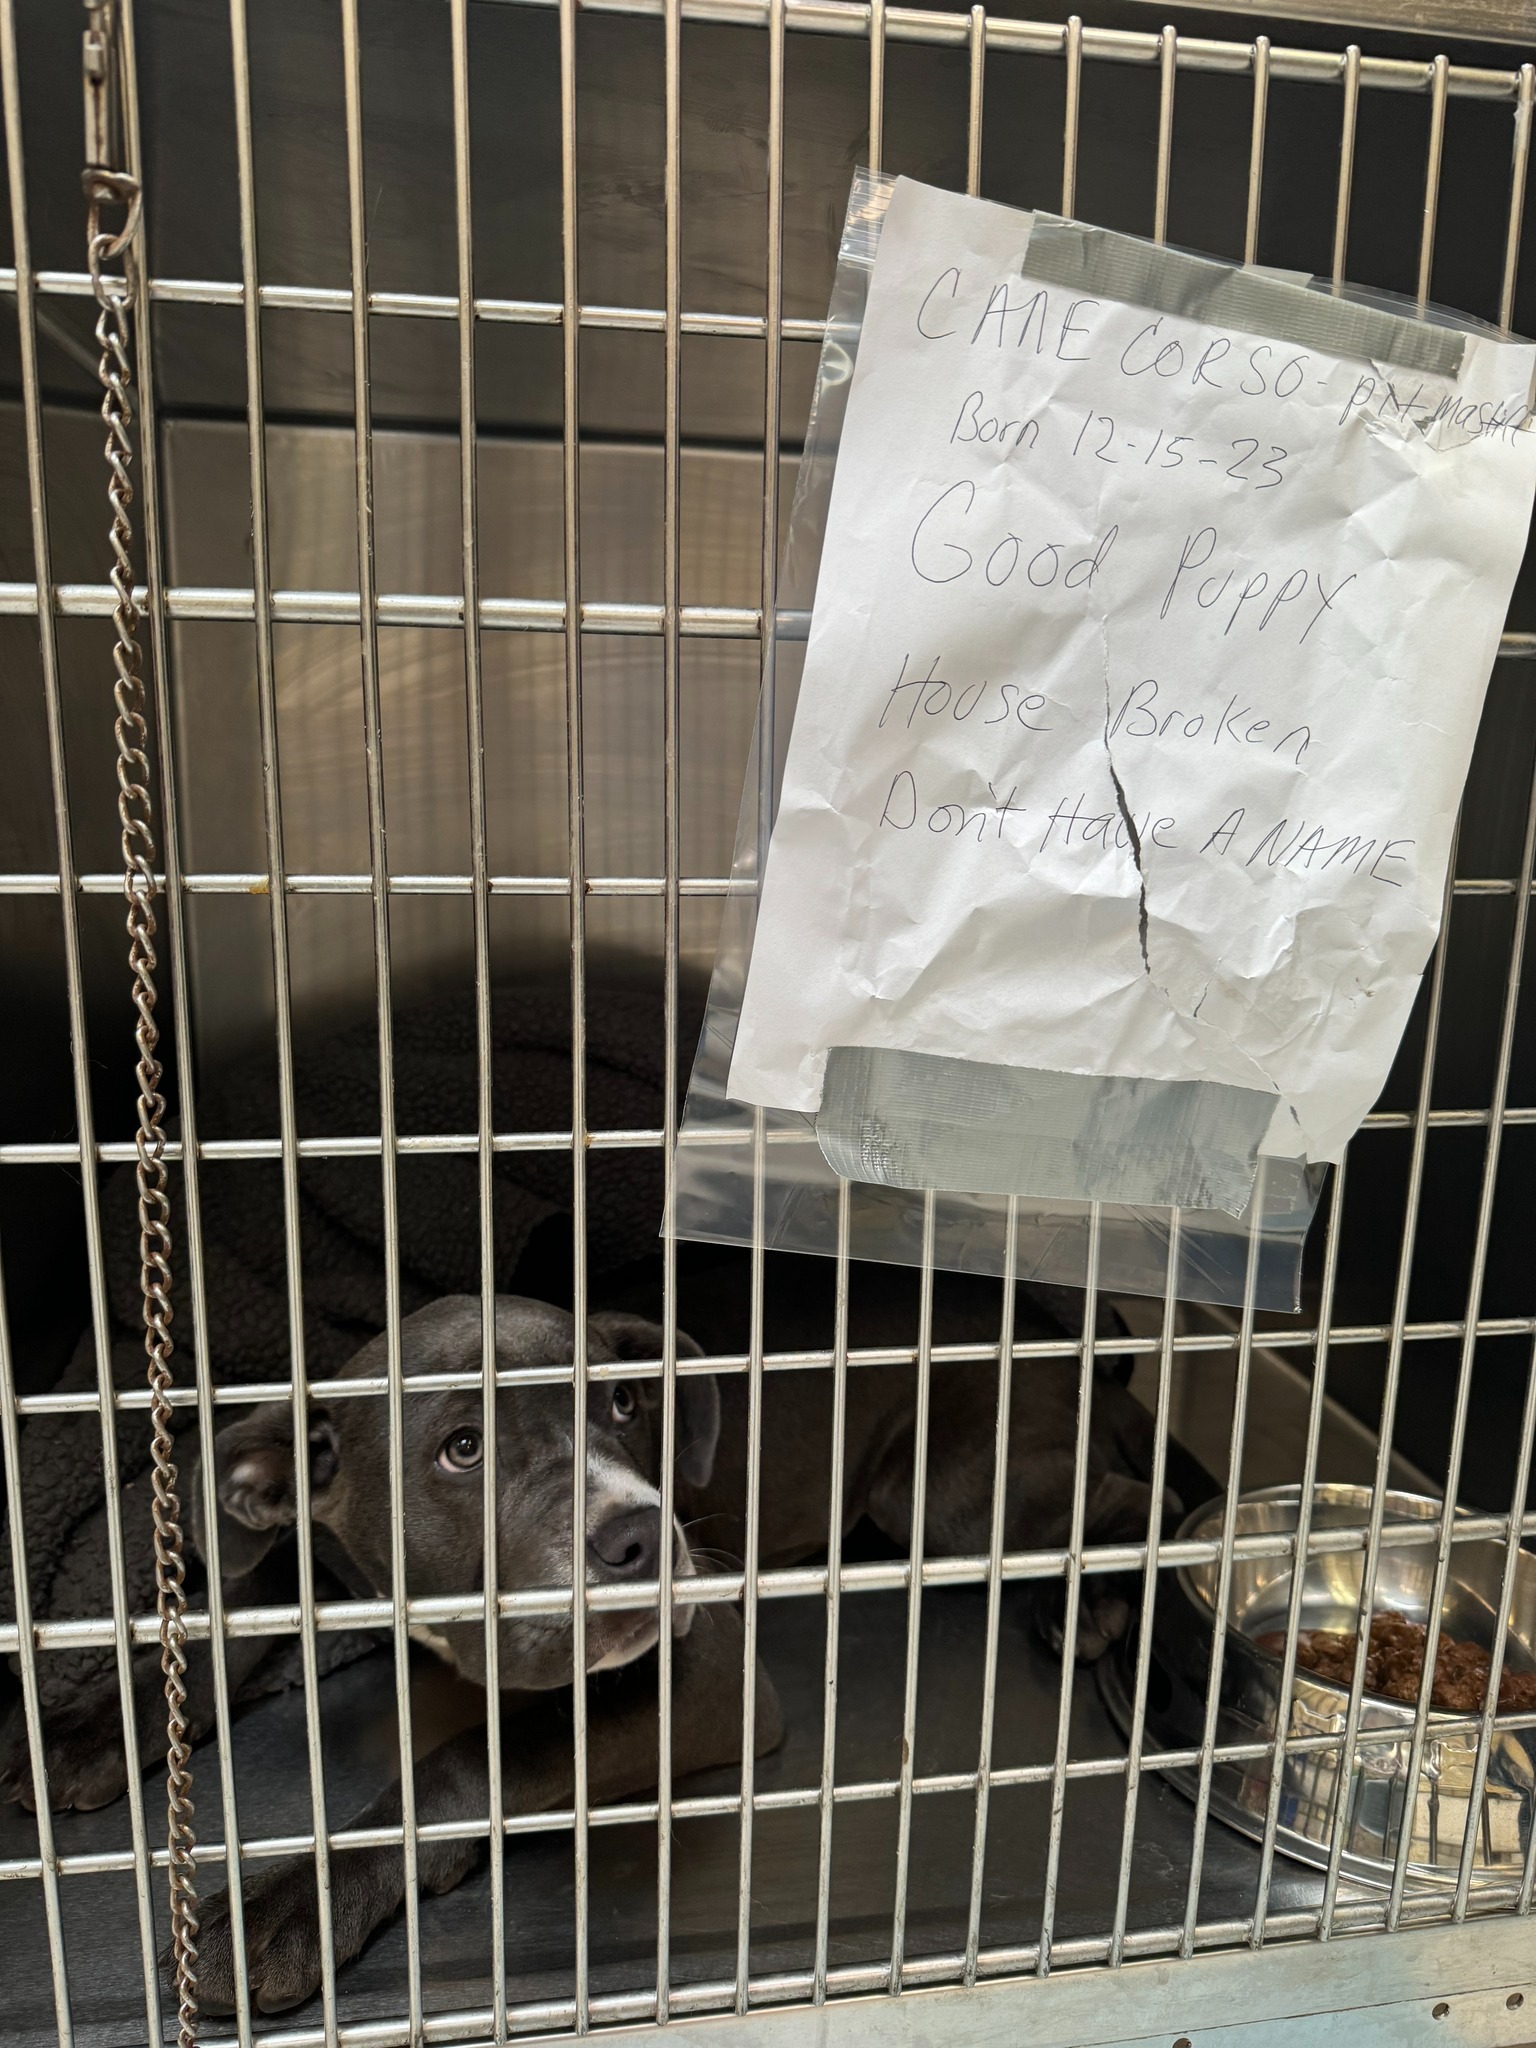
{"x": 1143, "y": 676}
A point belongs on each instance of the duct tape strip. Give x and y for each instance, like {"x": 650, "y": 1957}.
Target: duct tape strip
{"x": 913, "y": 1120}
{"x": 1110, "y": 266}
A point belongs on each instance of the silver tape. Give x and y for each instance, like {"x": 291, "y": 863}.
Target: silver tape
{"x": 914, "y": 1120}
{"x": 1104, "y": 265}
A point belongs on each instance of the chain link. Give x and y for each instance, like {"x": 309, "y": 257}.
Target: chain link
{"x": 136, "y": 813}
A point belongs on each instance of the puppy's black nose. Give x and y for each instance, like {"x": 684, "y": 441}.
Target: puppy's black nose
{"x": 628, "y": 1545}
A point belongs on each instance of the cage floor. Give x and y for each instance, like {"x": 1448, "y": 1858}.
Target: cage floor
{"x": 100, "y": 1923}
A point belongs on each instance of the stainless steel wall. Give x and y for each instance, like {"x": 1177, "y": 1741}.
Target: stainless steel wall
{"x": 318, "y": 682}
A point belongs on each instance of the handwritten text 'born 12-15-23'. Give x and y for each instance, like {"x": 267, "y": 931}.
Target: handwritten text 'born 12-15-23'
{"x": 1237, "y": 592}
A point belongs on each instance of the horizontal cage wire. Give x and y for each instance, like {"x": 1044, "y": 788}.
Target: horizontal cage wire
{"x": 741, "y": 1971}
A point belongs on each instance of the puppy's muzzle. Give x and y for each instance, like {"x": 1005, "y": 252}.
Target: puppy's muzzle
{"x": 624, "y": 1547}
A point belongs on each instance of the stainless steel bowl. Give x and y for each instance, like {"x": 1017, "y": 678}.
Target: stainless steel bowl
{"x": 1376, "y": 1793}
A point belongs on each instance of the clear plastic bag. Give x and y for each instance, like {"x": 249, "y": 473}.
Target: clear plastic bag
{"x": 772, "y": 1176}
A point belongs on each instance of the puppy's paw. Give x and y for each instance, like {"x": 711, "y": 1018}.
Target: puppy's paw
{"x": 1101, "y": 1621}
{"x": 215, "y": 1956}
{"x": 1103, "y": 1616}
{"x": 82, "y": 1758}
{"x": 282, "y": 1941}
{"x": 282, "y": 1927}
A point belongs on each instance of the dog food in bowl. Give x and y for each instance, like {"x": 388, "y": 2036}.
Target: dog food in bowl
{"x": 1394, "y": 1665}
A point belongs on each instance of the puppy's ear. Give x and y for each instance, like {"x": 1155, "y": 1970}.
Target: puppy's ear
{"x": 253, "y": 1460}
{"x": 630, "y": 1336}
{"x": 698, "y": 1398}
{"x": 698, "y": 1422}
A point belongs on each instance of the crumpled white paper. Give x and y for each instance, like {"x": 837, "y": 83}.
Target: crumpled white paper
{"x": 1145, "y": 667}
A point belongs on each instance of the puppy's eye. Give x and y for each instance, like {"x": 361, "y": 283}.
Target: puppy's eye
{"x": 623, "y": 1403}
{"x": 461, "y": 1451}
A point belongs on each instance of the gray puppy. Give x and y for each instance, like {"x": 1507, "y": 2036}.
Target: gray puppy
{"x": 443, "y": 1480}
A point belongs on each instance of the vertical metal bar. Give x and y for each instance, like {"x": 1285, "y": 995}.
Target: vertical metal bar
{"x": 1440, "y": 79}
{"x": 994, "y": 1583}
{"x": 671, "y": 915}
{"x": 834, "y": 1595}
{"x": 1256, "y": 147}
{"x": 1347, "y": 132}
{"x": 773, "y": 317}
{"x": 1168, "y": 68}
{"x": 47, "y": 1852}
{"x": 80, "y": 1060}
{"x": 977, "y": 101}
{"x": 176, "y": 954}
{"x": 1072, "y": 116}
{"x": 1519, "y": 1494}
{"x": 1148, "y": 1586}
{"x": 750, "y": 1551}
{"x": 575, "y": 769}
{"x": 1277, "y": 1760}
{"x": 1521, "y": 1488}
{"x": 767, "y": 740}
{"x": 378, "y": 861}
{"x": 1519, "y": 166}
{"x": 485, "y": 1158}
{"x": 1340, "y": 1822}
{"x": 914, "y": 1591}
{"x": 1073, "y": 1590}
{"x": 1422, "y": 1111}
{"x": 876, "y": 83}
{"x": 282, "y": 993}
{"x": 1443, "y": 1533}
{"x": 1382, "y": 1476}
{"x": 1223, "y": 1594}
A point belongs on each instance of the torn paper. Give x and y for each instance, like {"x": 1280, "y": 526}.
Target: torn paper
{"x": 1149, "y": 645}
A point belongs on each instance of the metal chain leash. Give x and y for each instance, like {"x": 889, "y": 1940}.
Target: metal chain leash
{"x": 107, "y": 187}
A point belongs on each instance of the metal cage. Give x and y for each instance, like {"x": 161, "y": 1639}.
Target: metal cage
{"x": 474, "y": 342}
